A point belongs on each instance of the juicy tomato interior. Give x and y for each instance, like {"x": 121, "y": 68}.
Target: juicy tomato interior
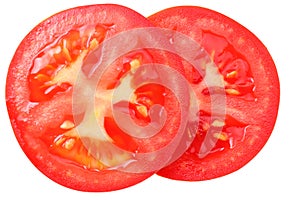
{"x": 139, "y": 108}
{"x": 238, "y": 82}
{"x": 55, "y": 68}
{"x": 227, "y": 133}
{"x": 232, "y": 65}
{"x": 54, "y": 71}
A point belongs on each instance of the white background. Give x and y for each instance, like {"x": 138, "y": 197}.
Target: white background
{"x": 274, "y": 173}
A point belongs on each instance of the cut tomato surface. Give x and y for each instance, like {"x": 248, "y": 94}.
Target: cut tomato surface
{"x": 226, "y": 142}
{"x": 62, "y": 141}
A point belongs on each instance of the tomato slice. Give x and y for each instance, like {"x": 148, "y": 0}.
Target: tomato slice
{"x": 252, "y": 94}
{"x": 59, "y": 140}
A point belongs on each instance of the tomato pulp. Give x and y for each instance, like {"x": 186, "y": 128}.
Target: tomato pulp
{"x": 63, "y": 142}
{"x": 252, "y": 92}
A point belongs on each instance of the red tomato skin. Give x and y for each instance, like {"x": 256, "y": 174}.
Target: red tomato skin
{"x": 261, "y": 114}
{"x": 18, "y": 105}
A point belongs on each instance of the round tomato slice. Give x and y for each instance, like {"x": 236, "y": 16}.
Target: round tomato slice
{"x": 226, "y": 142}
{"x": 55, "y": 127}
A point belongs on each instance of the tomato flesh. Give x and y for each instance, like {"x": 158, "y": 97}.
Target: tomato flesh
{"x": 224, "y": 145}
{"x": 39, "y": 94}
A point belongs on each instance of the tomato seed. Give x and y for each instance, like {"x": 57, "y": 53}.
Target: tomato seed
{"x": 68, "y": 144}
{"x": 67, "y": 125}
{"x": 142, "y": 110}
{"x": 221, "y": 136}
{"x": 218, "y": 123}
{"x": 59, "y": 140}
{"x": 135, "y": 63}
{"x": 232, "y": 74}
{"x": 232, "y": 91}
